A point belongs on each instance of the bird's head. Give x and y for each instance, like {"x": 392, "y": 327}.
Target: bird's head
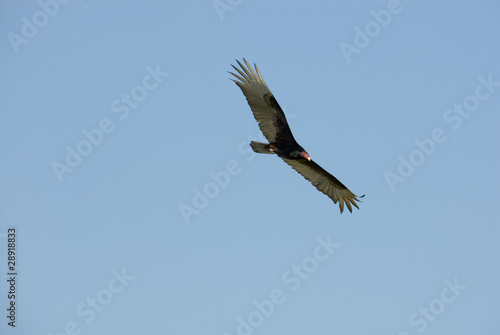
{"x": 305, "y": 155}
{"x": 298, "y": 153}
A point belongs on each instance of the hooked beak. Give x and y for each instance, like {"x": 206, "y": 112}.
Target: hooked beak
{"x": 305, "y": 155}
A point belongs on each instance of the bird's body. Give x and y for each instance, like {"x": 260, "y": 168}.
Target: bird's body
{"x": 274, "y": 126}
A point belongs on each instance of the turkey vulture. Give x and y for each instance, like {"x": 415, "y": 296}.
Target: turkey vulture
{"x": 273, "y": 124}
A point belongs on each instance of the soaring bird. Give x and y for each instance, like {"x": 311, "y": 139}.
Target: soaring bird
{"x": 273, "y": 124}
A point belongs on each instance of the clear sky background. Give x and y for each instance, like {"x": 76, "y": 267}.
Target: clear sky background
{"x": 140, "y": 209}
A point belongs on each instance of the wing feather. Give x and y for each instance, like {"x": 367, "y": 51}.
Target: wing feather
{"x": 324, "y": 182}
{"x": 265, "y": 108}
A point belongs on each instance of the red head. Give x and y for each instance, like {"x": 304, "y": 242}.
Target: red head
{"x": 305, "y": 155}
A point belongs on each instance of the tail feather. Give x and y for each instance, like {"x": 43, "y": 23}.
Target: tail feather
{"x": 261, "y": 148}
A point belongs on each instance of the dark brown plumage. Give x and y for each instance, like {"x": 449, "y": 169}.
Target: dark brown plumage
{"x": 273, "y": 124}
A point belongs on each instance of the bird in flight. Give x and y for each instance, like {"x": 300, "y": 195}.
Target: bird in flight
{"x": 273, "y": 124}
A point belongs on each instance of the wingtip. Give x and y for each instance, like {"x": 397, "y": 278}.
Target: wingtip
{"x": 349, "y": 203}
{"x": 341, "y": 206}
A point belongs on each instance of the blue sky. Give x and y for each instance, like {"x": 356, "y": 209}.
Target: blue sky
{"x": 139, "y": 207}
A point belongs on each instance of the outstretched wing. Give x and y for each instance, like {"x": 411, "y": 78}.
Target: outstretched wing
{"x": 324, "y": 182}
{"x": 265, "y": 108}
